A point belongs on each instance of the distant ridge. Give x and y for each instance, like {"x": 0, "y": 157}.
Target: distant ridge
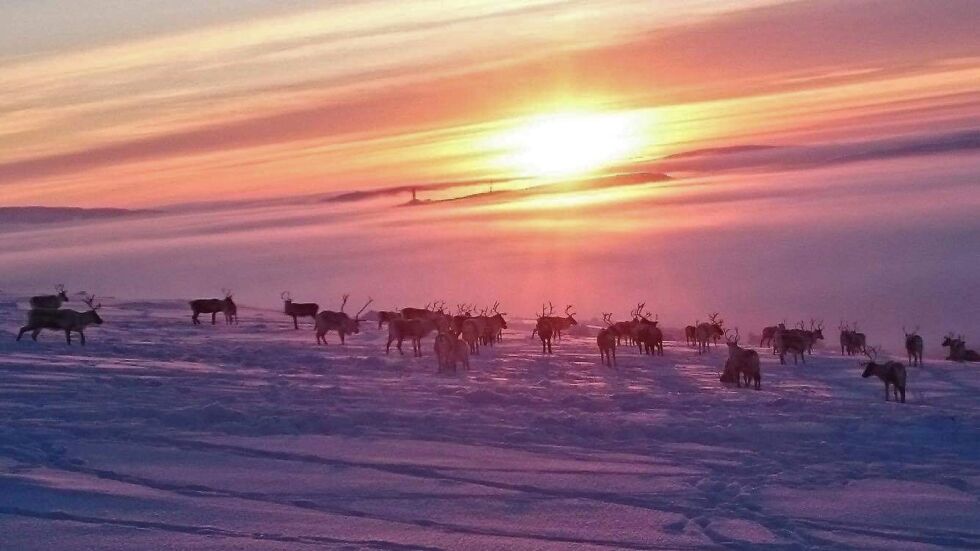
{"x": 51, "y": 215}
{"x": 598, "y": 182}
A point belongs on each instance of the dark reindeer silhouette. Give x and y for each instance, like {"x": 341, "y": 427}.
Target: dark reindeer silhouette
{"x": 298, "y": 309}
{"x": 50, "y": 302}
{"x": 213, "y": 306}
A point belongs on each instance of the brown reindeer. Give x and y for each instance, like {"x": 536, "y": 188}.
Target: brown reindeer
{"x": 298, "y": 310}
{"x": 450, "y": 351}
{"x": 809, "y": 336}
{"x": 606, "y": 340}
{"x": 788, "y": 340}
{"x": 545, "y": 330}
{"x": 691, "y": 335}
{"x": 69, "y": 321}
{"x": 708, "y": 331}
{"x": 50, "y": 302}
{"x": 649, "y": 338}
{"x": 328, "y": 320}
{"x": 913, "y": 346}
{"x": 213, "y": 306}
{"x": 768, "y": 335}
{"x": 742, "y": 364}
{"x": 494, "y": 326}
{"x": 851, "y": 340}
{"x": 412, "y": 329}
{"x": 470, "y": 332}
{"x": 562, "y": 323}
{"x": 958, "y": 351}
{"x": 891, "y": 372}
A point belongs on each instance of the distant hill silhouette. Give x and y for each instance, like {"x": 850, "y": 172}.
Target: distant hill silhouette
{"x": 600, "y": 182}
{"x": 51, "y": 215}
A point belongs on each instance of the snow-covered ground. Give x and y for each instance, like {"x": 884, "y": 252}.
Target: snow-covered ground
{"x": 162, "y": 435}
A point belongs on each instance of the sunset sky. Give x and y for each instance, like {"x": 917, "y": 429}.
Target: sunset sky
{"x": 768, "y": 158}
{"x": 149, "y": 102}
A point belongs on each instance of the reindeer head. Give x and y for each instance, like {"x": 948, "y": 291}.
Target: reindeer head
{"x": 61, "y": 292}
{"x": 93, "y": 308}
{"x": 716, "y": 322}
{"x": 569, "y": 314}
{"x": 816, "y": 328}
{"x": 872, "y": 354}
{"x": 353, "y": 325}
{"x": 286, "y": 296}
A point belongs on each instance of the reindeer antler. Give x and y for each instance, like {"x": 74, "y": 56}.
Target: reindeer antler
{"x": 872, "y": 352}
{"x": 370, "y": 300}
{"x": 226, "y": 291}
{"x": 343, "y": 302}
{"x": 286, "y": 295}
{"x": 90, "y": 301}
{"x": 60, "y": 287}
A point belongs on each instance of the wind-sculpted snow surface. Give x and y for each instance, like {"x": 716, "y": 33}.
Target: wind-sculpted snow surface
{"x": 163, "y": 435}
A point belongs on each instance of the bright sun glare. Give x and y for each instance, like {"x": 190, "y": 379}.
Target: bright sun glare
{"x": 568, "y": 144}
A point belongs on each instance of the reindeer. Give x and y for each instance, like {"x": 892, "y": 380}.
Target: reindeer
{"x": 815, "y": 333}
{"x": 50, "y": 302}
{"x": 328, "y": 320}
{"x": 214, "y": 305}
{"x": 385, "y": 316}
{"x": 788, "y": 340}
{"x": 708, "y": 331}
{"x": 559, "y": 324}
{"x": 463, "y": 313}
{"x": 412, "y": 329}
{"x": 809, "y": 336}
{"x": 606, "y": 340}
{"x": 742, "y": 363}
{"x": 298, "y": 309}
{"x": 624, "y": 331}
{"x": 768, "y": 335}
{"x": 913, "y": 346}
{"x": 691, "y": 335}
{"x": 545, "y": 329}
{"x": 64, "y": 320}
{"x": 470, "y": 331}
{"x": 958, "y": 351}
{"x": 649, "y": 338}
{"x": 891, "y": 372}
{"x": 851, "y": 341}
{"x": 495, "y": 325}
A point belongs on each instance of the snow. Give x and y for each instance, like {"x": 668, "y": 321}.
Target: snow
{"x": 159, "y": 434}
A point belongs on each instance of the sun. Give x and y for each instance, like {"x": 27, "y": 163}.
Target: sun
{"x": 567, "y": 144}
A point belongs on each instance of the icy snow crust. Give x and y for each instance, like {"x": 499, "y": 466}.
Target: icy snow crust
{"x": 161, "y": 435}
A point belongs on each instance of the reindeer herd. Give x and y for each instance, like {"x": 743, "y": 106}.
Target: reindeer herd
{"x": 464, "y": 333}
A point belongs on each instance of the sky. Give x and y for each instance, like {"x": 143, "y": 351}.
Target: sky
{"x": 824, "y": 128}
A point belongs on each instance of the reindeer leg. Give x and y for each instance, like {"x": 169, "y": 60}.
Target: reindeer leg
{"x": 68, "y": 335}
{"x": 23, "y": 330}
{"x": 81, "y": 335}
